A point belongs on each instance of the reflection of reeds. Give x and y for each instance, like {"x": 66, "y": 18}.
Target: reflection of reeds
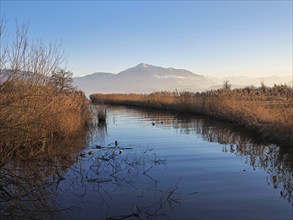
{"x": 275, "y": 160}
{"x": 166, "y": 200}
{"x": 27, "y": 184}
{"x": 102, "y": 114}
{"x": 268, "y": 111}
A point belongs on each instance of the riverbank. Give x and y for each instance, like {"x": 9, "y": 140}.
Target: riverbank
{"x": 32, "y": 117}
{"x": 266, "y": 111}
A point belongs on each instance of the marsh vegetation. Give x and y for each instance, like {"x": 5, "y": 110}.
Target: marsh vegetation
{"x": 267, "y": 111}
{"x": 38, "y": 104}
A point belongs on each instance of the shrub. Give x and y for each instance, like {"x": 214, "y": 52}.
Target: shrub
{"x": 34, "y": 111}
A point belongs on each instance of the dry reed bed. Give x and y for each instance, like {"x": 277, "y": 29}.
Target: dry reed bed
{"x": 37, "y": 101}
{"x": 267, "y": 111}
{"x": 31, "y": 117}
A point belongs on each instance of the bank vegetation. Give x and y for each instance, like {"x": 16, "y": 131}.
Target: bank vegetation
{"x": 267, "y": 111}
{"x": 38, "y": 104}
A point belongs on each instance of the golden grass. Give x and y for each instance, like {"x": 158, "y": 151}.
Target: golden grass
{"x": 37, "y": 101}
{"x": 267, "y": 111}
{"x": 31, "y": 117}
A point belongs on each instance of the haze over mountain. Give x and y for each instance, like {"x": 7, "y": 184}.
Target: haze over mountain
{"x": 145, "y": 78}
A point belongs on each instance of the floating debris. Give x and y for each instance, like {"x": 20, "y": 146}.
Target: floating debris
{"x": 82, "y": 155}
{"x": 126, "y": 148}
{"x": 104, "y": 158}
{"x": 99, "y": 180}
{"x": 91, "y": 152}
{"x": 107, "y": 147}
{"x": 120, "y": 151}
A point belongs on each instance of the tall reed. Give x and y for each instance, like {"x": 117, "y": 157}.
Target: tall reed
{"x": 37, "y": 102}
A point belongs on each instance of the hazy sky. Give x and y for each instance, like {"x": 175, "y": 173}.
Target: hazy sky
{"x": 221, "y": 38}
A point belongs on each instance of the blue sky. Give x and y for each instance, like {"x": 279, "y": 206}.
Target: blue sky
{"x": 220, "y": 38}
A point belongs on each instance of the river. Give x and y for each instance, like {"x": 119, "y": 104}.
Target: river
{"x": 153, "y": 165}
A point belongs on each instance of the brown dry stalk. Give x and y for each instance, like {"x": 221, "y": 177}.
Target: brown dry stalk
{"x": 37, "y": 102}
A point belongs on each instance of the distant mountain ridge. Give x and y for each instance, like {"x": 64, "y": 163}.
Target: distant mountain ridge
{"x": 146, "y": 78}
{"x": 143, "y": 78}
{"x": 148, "y": 70}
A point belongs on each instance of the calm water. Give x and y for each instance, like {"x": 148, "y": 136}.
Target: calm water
{"x": 165, "y": 166}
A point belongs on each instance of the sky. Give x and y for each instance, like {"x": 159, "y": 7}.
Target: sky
{"x": 214, "y": 38}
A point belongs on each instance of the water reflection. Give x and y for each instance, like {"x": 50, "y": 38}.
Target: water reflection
{"x": 276, "y": 160}
{"x": 27, "y": 185}
{"x": 32, "y": 188}
{"x": 79, "y": 175}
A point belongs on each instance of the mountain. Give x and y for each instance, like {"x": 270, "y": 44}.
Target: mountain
{"x": 34, "y": 77}
{"x": 143, "y": 78}
{"x": 158, "y": 72}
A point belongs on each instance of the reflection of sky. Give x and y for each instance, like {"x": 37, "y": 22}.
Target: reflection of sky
{"x": 211, "y": 183}
{"x": 214, "y": 181}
